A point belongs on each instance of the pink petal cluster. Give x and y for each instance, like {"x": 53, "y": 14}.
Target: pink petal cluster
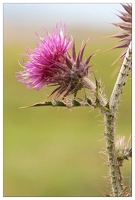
{"x": 51, "y": 64}
{"x": 41, "y": 65}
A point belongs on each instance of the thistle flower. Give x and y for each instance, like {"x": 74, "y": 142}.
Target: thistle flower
{"x": 50, "y": 64}
{"x": 40, "y": 67}
{"x": 123, "y": 149}
{"x": 126, "y": 27}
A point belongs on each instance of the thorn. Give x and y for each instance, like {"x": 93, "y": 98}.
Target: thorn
{"x": 25, "y": 107}
{"x": 103, "y": 193}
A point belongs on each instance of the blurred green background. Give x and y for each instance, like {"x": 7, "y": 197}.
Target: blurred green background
{"x": 50, "y": 151}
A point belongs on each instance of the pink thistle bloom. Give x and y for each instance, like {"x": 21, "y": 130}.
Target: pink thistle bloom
{"x": 50, "y": 64}
{"x": 40, "y": 67}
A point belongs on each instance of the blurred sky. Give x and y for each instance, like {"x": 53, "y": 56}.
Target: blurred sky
{"x": 73, "y": 14}
{"x": 27, "y": 18}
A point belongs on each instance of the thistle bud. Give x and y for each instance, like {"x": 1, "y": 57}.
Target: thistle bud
{"x": 123, "y": 149}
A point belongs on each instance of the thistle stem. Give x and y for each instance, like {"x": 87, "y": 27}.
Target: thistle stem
{"x": 89, "y": 84}
{"x": 109, "y": 119}
{"x": 110, "y": 124}
{"x": 121, "y": 80}
{"x": 114, "y": 169}
{"x": 109, "y": 113}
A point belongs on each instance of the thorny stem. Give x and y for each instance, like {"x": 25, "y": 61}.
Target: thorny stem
{"x": 110, "y": 124}
{"x": 114, "y": 169}
{"x": 121, "y": 80}
{"x": 109, "y": 112}
{"x": 109, "y": 119}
